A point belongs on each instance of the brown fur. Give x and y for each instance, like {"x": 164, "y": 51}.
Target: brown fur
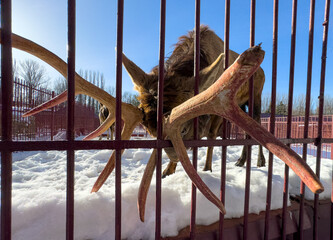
{"x": 102, "y": 115}
{"x": 179, "y": 85}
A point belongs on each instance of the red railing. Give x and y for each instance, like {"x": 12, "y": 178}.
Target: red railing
{"x": 50, "y": 124}
{"x": 297, "y": 132}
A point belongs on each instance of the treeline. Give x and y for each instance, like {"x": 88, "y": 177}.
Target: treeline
{"x": 35, "y": 76}
{"x": 298, "y": 108}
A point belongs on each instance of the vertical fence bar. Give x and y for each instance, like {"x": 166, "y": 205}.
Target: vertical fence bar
{"x": 331, "y": 123}
{"x": 22, "y": 108}
{"x": 307, "y": 113}
{"x": 224, "y": 130}
{"x": 160, "y": 121}
{"x": 70, "y": 120}
{"x": 321, "y": 112}
{"x": 52, "y": 118}
{"x": 272, "y": 117}
{"x": 289, "y": 117}
{"x": 120, "y": 23}
{"x": 249, "y": 148}
{"x": 7, "y": 98}
{"x": 195, "y": 121}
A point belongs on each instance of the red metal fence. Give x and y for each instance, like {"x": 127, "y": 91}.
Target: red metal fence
{"x": 50, "y": 123}
{"x": 8, "y": 146}
{"x": 297, "y": 132}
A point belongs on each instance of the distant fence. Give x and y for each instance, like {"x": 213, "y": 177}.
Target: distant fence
{"x": 50, "y": 123}
{"x": 297, "y": 131}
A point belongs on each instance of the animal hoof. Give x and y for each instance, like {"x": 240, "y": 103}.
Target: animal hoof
{"x": 207, "y": 169}
{"x": 240, "y": 163}
{"x": 261, "y": 164}
{"x": 166, "y": 173}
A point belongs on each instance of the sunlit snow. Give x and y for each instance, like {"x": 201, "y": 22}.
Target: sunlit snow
{"x": 39, "y": 193}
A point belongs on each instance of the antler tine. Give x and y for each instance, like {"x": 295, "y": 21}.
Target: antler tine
{"x": 131, "y": 115}
{"x": 102, "y": 128}
{"x": 81, "y": 86}
{"x": 62, "y": 97}
{"x": 145, "y": 184}
{"x": 128, "y": 128}
{"x": 219, "y": 100}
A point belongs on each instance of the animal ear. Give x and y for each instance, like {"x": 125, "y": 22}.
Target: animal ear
{"x": 137, "y": 74}
{"x": 209, "y": 74}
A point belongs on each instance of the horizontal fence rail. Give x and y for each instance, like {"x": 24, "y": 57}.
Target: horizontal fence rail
{"x": 307, "y": 135}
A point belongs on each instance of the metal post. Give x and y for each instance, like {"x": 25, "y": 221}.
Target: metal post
{"x": 52, "y": 119}
{"x": 307, "y": 113}
{"x": 195, "y": 121}
{"x": 160, "y": 120}
{"x": 120, "y": 22}
{"x": 321, "y": 112}
{"x": 224, "y": 130}
{"x": 70, "y": 121}
{"x": 271, "y": 122}
{"x": 7, "y": 96}
{"x": 249, "y": 147}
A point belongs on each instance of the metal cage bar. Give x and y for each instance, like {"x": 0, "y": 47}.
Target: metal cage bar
{"x": 250, "y": 106}
{"x": 307, "y": 113}
{"x": 289, "y": 117}
{"x": 7, "y": 92}
{"x": 160, "y": 121}
{"x": 120, "y": 23}
{"x": 224, "y": 130}
{"x": 195, "y": 121}
{"x": 321, "y": 111}
{"x": 272, "y": 117}
{"x": 70, "y": 120}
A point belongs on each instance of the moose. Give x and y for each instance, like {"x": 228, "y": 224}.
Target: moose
{"x": 221, "y": 95}
{"x": 179, "y": 87}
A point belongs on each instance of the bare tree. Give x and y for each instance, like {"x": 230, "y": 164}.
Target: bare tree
{"x": 34, "y": 76}
{"x": 266, "y": 103}
{"x": 60, "y": 85}
{"x": 111, "y": 90}
{"x": 299, "y": 105}
{"x": 15, "y": 69}
{"x": 130, "y": 98}
{"x": 328, "y": 105}
{"x": 33, "y": 73}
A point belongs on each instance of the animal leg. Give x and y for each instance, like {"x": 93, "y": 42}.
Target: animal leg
{"x": 112, "y": 131}
{"x": 256, "y": 115}
{"x": 108, "y": 134}
{"x": 215, "y": 126}
{"x": 241, "y": 161}
{"x": 170, "y": 169}
{"x": 208, "y": 164}
{"x": 261, "y": 157}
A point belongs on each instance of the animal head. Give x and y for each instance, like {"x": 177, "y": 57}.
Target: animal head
{"x": 179, "y": 80}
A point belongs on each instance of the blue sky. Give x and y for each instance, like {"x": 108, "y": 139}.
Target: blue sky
{"x": 45, "y": 22}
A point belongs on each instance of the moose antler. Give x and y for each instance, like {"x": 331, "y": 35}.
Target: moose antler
{"x": 219, "y": 100}
{"x": 131, "y": 115}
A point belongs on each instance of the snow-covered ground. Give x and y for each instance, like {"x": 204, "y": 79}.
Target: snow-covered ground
{"x": 39, "y": 193}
